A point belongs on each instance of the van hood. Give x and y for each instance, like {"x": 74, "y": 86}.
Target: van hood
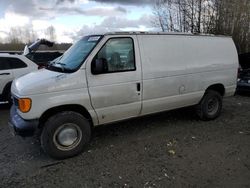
{"x": 46, "y": 81}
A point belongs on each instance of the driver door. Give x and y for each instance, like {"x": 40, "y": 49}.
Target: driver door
{"x": 116, "y": 93}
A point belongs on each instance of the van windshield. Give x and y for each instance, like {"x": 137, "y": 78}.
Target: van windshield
{"x": 74, "y": 57}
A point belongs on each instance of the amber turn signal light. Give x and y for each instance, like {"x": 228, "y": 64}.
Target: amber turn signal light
{"x": 24, "y": 104}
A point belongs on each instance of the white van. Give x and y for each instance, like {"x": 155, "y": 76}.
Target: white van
{"x": 116, "y": 76}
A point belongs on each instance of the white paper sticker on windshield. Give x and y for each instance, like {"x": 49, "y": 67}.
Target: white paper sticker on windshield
{"x": 93, "y": 38}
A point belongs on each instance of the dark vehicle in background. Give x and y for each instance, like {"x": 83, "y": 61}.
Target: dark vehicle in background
{"x": 41, "y": 58}
{"x": 243, "y": 83}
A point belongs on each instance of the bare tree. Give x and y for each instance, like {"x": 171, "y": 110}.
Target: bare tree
{"x": 14, "y": 35}
{"x": 168, "y": 15}
{"x": 199, "y": 16}
{"x": 19, "y": 35}
{"x": 160, "y": 19}
{"x": 50, "y": 32}
{"x": 234, "y": 20}
{"x": 28, "y": 34}
{"x": 227, "y": 17}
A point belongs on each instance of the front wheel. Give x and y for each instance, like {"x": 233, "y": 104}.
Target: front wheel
{"x": 210, "y": 106}
{"x": 65, "y": 135}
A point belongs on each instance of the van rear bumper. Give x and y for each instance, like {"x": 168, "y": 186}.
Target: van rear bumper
{"x": 21, "y": 127}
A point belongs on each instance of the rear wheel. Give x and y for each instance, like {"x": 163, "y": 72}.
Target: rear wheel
{"x": 65, "y": 135}
{"x": 210, "y": 106}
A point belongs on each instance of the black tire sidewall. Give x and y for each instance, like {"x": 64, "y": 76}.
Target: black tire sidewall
{"x": 9, "y": 97}
{"x": 53, "y": 123}
{"x": 204, "y": 105}
{"x": 7, "y": 94}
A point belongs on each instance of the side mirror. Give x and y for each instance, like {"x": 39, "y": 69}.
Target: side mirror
{"x": 99, "y": 66}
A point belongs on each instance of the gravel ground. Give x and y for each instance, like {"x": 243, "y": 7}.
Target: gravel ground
{"x": 171, "y": 149}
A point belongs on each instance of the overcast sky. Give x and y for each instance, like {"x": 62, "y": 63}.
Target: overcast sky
{"x": 74, "y": 18}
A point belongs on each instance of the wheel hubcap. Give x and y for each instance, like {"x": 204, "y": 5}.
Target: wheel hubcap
{"x": 213, "y": 106}
{"x": 67, "y": 136}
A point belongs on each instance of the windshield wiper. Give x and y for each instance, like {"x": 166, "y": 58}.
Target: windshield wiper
{"x": 62, "y": 65}
{"x": 53, "y": 63}
{"x": 59, "y": 63}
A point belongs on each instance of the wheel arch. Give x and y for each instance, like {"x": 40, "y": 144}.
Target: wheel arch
{"x": 71, "y": 107}
{"x": 217, "y": 87}
{"x": 6, "y": 89}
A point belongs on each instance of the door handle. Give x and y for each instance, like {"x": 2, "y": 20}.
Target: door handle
{"x": 138, "y": 86}
{"x": 6, "y": 73}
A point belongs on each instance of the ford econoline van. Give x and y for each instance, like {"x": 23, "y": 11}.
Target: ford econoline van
{"x": 116, "y": 76}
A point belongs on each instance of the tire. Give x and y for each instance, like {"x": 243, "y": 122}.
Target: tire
{"x": 65, "y": 134}
{"x": 7, "y": 94}
{"x": 210, "y": 106}
{"x": 8, "y": 97}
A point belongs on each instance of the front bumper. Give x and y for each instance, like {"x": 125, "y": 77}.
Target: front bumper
{"x": 20, "y": 126}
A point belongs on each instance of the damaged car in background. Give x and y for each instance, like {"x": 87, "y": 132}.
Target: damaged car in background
{"x": 13, "y": 66}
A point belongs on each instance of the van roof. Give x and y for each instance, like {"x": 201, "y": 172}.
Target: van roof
{"x": 161, "y": 33}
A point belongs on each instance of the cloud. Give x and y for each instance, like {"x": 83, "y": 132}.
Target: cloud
{"x": 96, "y": 11}
{"x": 127, "y": 2}
{"x": 10, "y": 20}
{"x": 3, "y": 35}
{"x": 123, "y": 2}
{"x": 51, "y": 9}
{"x": 30, "y": 8}
{"x": 121, "y": 22}
{"x": 62, "y": 1}
{"x": 104, "y": 11}
{"x": 105, "y": 16}
{"x": 69, "y": 34}
{"x": 111, "y": 24}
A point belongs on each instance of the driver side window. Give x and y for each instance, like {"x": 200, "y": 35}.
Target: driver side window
{"x": 119, "y": 55}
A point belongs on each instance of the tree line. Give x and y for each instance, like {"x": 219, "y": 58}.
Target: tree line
{"x": 26, "y": 34}
{"x": 18, "y": 37}
{"x": 19, "y": 47}
{"x": 220, "y": 17}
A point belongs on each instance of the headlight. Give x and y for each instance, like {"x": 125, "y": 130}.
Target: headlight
{"x": 24, "y": 104}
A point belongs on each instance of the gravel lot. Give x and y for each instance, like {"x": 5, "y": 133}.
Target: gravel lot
{"x": 171, "y": 149}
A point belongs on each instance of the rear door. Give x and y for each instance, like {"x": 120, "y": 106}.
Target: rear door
{"x": 6, "y": 74}
{"x": 116, "y": 94}
{"x": 19, "y": 67}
